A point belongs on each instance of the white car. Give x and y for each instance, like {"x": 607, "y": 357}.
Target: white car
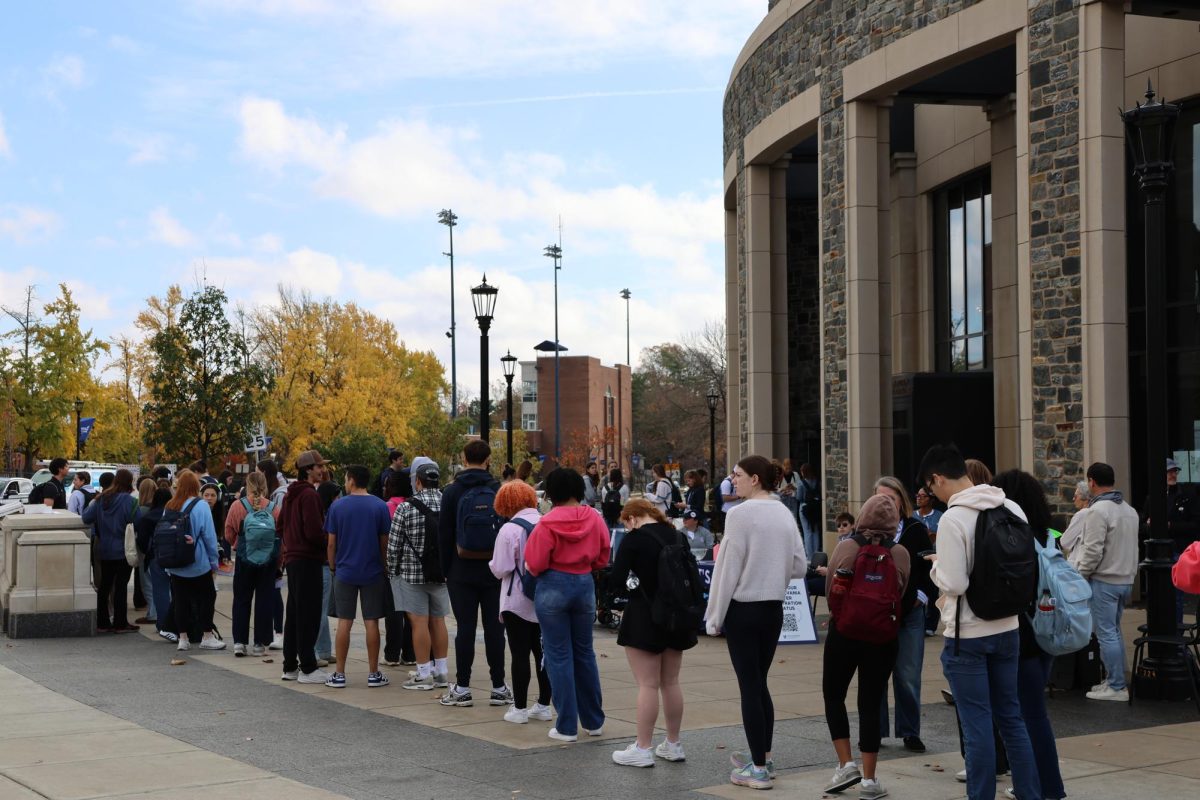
{"x": 15, "y": 489}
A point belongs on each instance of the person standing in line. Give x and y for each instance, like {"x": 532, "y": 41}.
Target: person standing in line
{"x": 473, "y": 588}
{"x": 52, "y": 492}
{"x": 659, "y": 490}
{"x": 1183, "y": 523}
{"x": 193, "y": 592}
{"x": 1074, "y": 529}
{"x": 141, "y": 574}
{"x": 160, "y": 581}
{"x": 926, "y": 513}
{"x": 329, "y": 491}
{"x": 1108, "y": 560}
{"x": 655, "y": 654}
{"x": 846, "y": 654}
{"x": 253, "y": 517}
{"x": 980, "y": 656}
{"x": 276, "y": 489}
{"x": 115, "y": 508}
{"x": 566, "y": 547}
{"x": 82, "y": 492}
{"x": 358, "y": 525}
{"x": 304, "y": 554}
{"x": 397, "y": 633}
{"x": 760, "y": 554}
{"x": 811, "y": 514}
{"x": 592, "y": 490}
{"x": 517, "y": 502}
{"x": 616, "y": 495}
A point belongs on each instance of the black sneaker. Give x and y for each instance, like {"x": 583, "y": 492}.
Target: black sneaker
{"x": 914, "y": 744}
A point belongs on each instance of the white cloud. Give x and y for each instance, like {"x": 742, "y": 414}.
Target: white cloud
{"x": 267, "y": 243}
{"x": 166, "y": 229}
{"x": 5, "y": 149}
{"x": 94, "y": 302}
{"x": 63, "y": 72}
{"x": 26, "y": 224}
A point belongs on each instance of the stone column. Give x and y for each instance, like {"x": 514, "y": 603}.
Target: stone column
{"x": 906, "y": 286}
{"x": 883, "y": 261}
{"x": 1024, "y": 312}
{"x": 759, "y": 317}
{"x": 733, "y": 391}
{"x": 864, "y": 457}
{"x": 780, "y": 418}
{"x": 1102, "y": 256}
{"x": 1005, "y": 361}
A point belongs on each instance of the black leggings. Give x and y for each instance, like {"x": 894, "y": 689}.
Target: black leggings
{"x": 874, "y": 663}
{"x": 525, "y": 639}
{"x": 114, "y": 588}
{"x": 193, "y": 600}
{"x": 752, "y": 633}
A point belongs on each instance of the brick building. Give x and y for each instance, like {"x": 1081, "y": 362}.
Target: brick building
{"x": 596, "y": 408}
{"x": 931, "y": 232}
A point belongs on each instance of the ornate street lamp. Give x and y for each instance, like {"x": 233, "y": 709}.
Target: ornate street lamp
{"x": 555, "y": 252}
{"x": 78, "y": 428}
{"x": 450, "y": 219}
{"x": 509, "y": 362}
{"x": 713, "y": 397}
{"x": 1150, "y": 132}
{"x": 483, "y": 297}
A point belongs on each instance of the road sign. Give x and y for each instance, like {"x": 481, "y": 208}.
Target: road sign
{"x": 257, "y": 442}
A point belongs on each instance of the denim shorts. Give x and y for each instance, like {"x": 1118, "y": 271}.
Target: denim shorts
{"x": 346, "y": 597}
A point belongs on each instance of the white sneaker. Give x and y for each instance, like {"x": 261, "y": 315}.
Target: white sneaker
{"x": 183, "y": 645}
{"x": 634, "y": 756}
{"x": 322, "y": 662}
{"x": 670, "y": 751}
{"x": 517, "y": 715}
{"x": 562, "y": 737}
{"x": 318, "y": 675}
{"x": 597, "y": 732}
{"x": 1108, "y": 693}
{"x": 871, "y": 789}
{"x": 277, "y": 642}
{"x": 256, "y": 650}
{"x": 541, "y": 712}
{"x": 961, "y": 776}
{"x": 211, "y": 643}
{"x": 289, "y": 676}
{"x": 1101, "y": 685}
{"x": 239, "y": 650}
{"x": 843, "y": 778}
{"x": 170, "y": 637}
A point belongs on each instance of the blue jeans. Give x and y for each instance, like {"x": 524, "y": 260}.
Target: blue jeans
{"x": 160, "y": 589}
{"x": 906, "y": 676}
{"x": 324, "y": 645}
{"x": 1108, "y": 602}
{"x": 1032, "y": 676}
{"x": 566, "y": 609}
{"x": 983, "y": 677}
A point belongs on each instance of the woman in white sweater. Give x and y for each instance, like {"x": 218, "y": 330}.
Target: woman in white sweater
{"x": 761, "y": 553}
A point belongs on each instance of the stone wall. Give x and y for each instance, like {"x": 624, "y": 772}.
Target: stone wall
{"x": 804, "y": 329}
{"x": 1054, "y": 248}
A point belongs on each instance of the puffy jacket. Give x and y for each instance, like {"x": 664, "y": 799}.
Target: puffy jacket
{"x": 110, "y": 515}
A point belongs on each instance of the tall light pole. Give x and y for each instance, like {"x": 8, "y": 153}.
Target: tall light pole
{"x": 713, "y": 397}
{"x": 450, "y": 219}
{"x": 1150, "y": 132}
{"x": 509, "y": 361}
{"x": 626, "y": 294}
{"x": 78, "y": 428}
{"x": 483, "y": 297}
{"x": 555, "y": 252}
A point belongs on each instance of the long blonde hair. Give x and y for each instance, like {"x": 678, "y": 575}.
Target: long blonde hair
{"x": 256, "y": 486}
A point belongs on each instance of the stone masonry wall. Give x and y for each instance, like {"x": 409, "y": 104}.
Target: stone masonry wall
{"x": 804, "y": 328}
{"x": 1055, "y": 285}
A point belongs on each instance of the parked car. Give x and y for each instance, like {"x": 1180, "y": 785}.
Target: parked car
{"x": 15, "y": 489}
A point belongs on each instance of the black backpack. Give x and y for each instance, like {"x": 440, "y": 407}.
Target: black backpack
{"x": 611, "y": 506}
{"x": 812, "y": 505}
{"x": 676, "y": 497}
{"x": 678, "y": 605}
{"x": 1004, "y": 578}
{"x": 430, "y": 557}
{"x": 171, "y": 533}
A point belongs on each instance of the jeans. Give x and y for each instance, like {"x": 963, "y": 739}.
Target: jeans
{"x": 752, "y": 634}
{"x": 143, "y": 574}
{"x": 983, "y": 677}
{"x": 468, "y": 598}
{"x": 906, "y": 677}
{"x": 324, "y": 644}
{"x": 844, "y": 657}
{"x": 160, "y": 587}
{"x": 566, "y": 608}
{"x": 253, "y": 584}
{"x": 303, "y": 618}
{"x": 812, "y": 537}
{"x": 1032, "y": 676}
{"x": 1108, "y": 602}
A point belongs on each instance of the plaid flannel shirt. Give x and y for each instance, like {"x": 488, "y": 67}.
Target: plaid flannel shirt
{"x": 406, "y": 540}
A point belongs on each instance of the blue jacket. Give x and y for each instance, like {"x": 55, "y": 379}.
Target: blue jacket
{"x": 206, "y": 541}
{"x": 110, "y": 515}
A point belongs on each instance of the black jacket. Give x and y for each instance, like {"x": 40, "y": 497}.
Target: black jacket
{"x": 1183, "y": 516}
{"x": 453, "y": 567}
{"x": 914, "y": 538}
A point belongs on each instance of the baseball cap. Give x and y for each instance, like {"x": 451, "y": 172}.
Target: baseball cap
{"x": 1171, "y": 464}
{"x": 309, "y": 458}
{"x": 424, "y": 468}
{"x": 41, "y": 476}
{"x": 690, "y": 514}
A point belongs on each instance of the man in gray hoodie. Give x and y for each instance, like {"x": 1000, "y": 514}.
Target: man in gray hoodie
{"x": 1106, "y": 554}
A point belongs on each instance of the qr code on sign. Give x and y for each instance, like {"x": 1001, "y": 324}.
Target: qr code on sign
{"x": 790, "y": 624}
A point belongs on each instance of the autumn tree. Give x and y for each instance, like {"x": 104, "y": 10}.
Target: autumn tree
{"x": 205, "y": 394}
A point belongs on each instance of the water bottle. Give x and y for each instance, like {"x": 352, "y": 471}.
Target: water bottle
{"x": 632, "y": 582}
{"x": 1047, "y": 602}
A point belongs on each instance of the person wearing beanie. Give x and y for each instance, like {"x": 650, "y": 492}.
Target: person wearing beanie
{"x": 872, "y": 660}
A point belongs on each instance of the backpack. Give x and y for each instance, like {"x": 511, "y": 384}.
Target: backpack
{"x": 131, "y": 549}
{"x": 260, "y": 543}
{"x": 676, "y": 497}
{"x": 869, "y": 609}
{"x": 678, "y": 604}
{"x": 1186, "y": 572}
{"x": 528, "y": 581}
{"x": 478, "y": 523}
{"x": 88, "y": 496}
{"x": 1062, "y": 619}
{"x": 1004, "y": 578}
{"x": 430, "y": 558}
{"x": 611, "y": 506}
{"x": 812, "y": 504}
{"x": 171, "y": 533}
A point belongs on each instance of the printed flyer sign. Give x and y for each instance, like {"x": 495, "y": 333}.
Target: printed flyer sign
{"x": 798, "y": 625}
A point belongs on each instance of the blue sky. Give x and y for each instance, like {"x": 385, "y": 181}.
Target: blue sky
{"x": 312, "y": 142}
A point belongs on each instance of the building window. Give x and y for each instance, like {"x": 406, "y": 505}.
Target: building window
{"x": 529, "y": 392}
{"x": 529, "y": 422}
{"x": 963, "y": 276}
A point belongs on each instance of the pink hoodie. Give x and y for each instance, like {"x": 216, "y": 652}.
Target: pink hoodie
{"x": 572, "y": 539}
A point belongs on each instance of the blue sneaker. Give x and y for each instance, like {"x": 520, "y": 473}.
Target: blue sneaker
{"x": 337, "y": 680}
{"x": 375, "y": 679}
{"x": 751, "y": 776}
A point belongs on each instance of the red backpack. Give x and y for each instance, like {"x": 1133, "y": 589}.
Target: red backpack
{"x": 870, "y": 608}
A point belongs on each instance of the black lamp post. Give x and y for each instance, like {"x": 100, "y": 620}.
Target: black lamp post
{"x": 713, "y": 398}
{"x": 483, "y": 297}
{"x": 555, "y": 252}
{"x": 78, "y": 428}
{"x": 1150, "y": 132}
{"x": 450, "y": 219}
{"x": 510, "y": 369}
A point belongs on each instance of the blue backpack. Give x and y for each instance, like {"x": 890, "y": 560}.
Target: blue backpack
{"x": 1062, "y": 618}
{"x": 477, "y": 523}
{"x": 258, "y": 544}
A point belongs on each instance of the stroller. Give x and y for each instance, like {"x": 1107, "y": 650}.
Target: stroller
{"x": 610, "y": 605}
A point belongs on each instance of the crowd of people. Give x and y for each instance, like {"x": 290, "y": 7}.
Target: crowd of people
{"x": 404, "y": 549}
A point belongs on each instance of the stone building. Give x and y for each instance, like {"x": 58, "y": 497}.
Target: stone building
{"x": 931, "y": 234}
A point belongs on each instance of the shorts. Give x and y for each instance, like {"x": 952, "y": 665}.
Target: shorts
{"x": 346, "y": 597}
{"x": 421, "y": 599}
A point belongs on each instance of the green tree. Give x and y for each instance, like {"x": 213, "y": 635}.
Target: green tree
{"x": 206, "y": 395}
{"x": 353, "y": 444}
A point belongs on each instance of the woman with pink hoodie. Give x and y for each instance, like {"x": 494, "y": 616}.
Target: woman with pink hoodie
{"x": 567, "y": 545}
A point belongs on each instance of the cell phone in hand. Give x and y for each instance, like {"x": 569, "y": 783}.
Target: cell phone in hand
{"x": 926, "y": 553}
